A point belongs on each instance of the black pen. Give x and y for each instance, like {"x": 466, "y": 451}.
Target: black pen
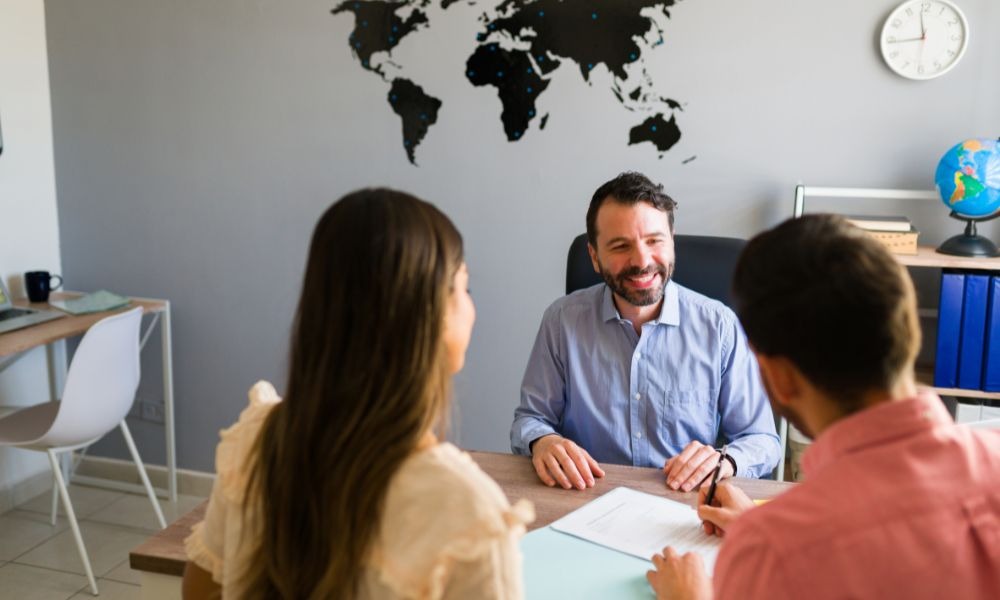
{"x": 715, "y": 477}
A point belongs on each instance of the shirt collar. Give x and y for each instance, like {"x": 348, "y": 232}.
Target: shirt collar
{"x": 670, "y": 309}
{"x": 875, "y": 426}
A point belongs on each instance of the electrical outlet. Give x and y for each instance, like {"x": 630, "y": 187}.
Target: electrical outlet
{"x": 152, "y": 412}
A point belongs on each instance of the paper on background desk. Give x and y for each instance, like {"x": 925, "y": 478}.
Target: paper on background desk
{"x": 640, "y": 524}
{"x": 98, "y": 301}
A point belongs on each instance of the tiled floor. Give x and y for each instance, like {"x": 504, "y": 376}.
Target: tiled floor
{"x": 40, "y": 562}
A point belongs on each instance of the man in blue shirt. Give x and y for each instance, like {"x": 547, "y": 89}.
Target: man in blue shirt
{"x": 640, "y": 370}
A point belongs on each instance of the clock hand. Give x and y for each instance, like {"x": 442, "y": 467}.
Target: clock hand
{"x": 923, "y": 30}
{"x": 916, "y": 39}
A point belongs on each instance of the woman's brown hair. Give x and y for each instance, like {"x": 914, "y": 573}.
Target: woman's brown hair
{"x": 368, "y": 376}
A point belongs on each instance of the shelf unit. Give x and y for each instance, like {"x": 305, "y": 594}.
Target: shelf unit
{"x": 926, "y": 257}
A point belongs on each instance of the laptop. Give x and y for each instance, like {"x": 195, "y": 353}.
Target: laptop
{"x": 12, "y": 317}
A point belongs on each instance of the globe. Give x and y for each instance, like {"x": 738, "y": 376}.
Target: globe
{"x": 968, "y": 178}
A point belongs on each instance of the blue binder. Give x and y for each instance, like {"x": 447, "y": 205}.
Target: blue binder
{"x": 970, "y": 352}
{"x": 991, "y": 351}
{"x": 949, "y": 330}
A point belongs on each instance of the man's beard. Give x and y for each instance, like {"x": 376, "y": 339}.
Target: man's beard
{"x": 636, "y": 297}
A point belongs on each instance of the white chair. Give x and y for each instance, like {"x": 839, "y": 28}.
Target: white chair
{"x": 100, "y": 388}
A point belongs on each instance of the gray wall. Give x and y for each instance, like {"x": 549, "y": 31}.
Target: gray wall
{"x": 197, "y": 142}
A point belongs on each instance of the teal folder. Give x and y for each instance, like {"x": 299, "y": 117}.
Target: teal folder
{"x": 557, "y": 565}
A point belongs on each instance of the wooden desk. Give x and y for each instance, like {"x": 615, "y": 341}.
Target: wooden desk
{"x": 161, "y": 558}
{"x": 48, "y": 334}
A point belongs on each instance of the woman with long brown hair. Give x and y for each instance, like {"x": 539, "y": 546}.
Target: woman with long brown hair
{"x": 343, "y": 489}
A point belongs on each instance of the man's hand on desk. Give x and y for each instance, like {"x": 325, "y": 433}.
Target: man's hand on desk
{"x": 729, "y": 503}
{"x": 558, "y": 460}
{"x": 689, "y": 468}
{"x": 679, "y": 577}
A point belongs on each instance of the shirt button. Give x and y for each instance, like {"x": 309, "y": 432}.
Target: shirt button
{"x": 639, "y": 356}
{"x": 638, "y": 396}
{"x": 638, "y": 435}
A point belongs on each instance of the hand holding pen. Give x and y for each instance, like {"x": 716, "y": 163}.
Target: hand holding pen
{"x": 719, "y": 504}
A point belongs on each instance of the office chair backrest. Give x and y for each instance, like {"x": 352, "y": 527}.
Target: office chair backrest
{"x": 704, "y": 264}
{"x": 101, "y": 382}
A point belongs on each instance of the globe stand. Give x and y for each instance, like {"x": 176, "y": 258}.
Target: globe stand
{"x": 970, "y": 243}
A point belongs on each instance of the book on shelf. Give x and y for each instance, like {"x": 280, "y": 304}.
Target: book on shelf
{"x": 898, "y": 242}
{"x": 880, "y": 223}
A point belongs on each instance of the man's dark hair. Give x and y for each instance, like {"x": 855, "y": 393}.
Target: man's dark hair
{"x": 823, "y": 294}
{"x": 628, "y": 188}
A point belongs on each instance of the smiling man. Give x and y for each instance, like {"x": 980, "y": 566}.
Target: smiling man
{"x": 640, "y": 370}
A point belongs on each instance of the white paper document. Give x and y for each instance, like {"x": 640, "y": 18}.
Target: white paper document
{"x": 641, "y": 524}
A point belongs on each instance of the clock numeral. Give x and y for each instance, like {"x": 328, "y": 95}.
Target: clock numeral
{"x": 941, "y": 12}
{"x": 920, "y": 69}
{"x": 909, "y": 12}
{"x": 896, "y": 23}
{"x": 952, "y": 22}
{"x": 951, "y": 53}
{"x": 925, "y": 7}
{"x": 955, "y": 37}
{"x": 906, "y": 64}
{"x": 937, "y": 65}
{"x": 891, "y": 39}
{"x": 893, "y": 54}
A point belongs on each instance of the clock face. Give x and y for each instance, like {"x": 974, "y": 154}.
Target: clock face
{"x": 923, "y": 39}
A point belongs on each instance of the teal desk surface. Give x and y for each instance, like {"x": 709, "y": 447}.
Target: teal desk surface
{"x": 557, "y": 565}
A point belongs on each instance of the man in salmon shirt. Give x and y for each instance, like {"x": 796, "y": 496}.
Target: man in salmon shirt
{"x": 898, "y": 501}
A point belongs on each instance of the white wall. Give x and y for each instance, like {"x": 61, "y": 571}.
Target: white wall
{"x": 29, "y": 226}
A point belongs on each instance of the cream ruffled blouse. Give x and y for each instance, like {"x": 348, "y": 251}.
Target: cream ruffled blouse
{"x": 447, "y": 531}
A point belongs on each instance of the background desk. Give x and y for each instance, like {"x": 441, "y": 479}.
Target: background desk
{"x": 50, "y": 333}
{"x": 161, "y": 558}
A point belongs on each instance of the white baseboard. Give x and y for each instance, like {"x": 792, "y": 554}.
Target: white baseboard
{"x": 22, "y": 491}
{"x": 192, "y": 483}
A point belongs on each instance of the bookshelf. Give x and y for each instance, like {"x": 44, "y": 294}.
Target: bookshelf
{"x": 926, "y": 256}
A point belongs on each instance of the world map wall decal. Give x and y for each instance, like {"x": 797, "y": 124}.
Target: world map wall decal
{"x": 520, "y": 45}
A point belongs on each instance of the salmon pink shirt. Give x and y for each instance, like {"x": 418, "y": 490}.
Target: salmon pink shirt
{"x": 898, "y": 502}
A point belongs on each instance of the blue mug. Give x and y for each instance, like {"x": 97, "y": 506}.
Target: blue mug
{"x": 39, "y": 284}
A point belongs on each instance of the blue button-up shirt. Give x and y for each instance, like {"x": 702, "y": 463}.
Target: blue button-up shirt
{"x": 638, "y": 400}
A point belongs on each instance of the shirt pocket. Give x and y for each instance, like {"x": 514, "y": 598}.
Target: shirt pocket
{"x": 686, "y": 415}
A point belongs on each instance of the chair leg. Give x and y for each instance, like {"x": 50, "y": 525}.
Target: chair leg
{"x": 54, "y": 462}
{"x": 55, "y": 499}
{"x": 142, "y": 474}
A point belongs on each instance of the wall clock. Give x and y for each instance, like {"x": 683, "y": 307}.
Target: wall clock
{"x": 924, "y": 39}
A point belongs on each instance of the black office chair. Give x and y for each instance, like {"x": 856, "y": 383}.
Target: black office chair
{"x": 705, "y": 264}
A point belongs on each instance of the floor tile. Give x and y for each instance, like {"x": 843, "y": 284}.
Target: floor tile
{"x": 110, "y": 590}
{"x": 21, "y": 531}
{"x": 31, "y": 583}
{"x": 136, "y": 511}
{"x": 107, "y": 546}
{"x": 124, "y": 574}
{"x": 86, "y": 501}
